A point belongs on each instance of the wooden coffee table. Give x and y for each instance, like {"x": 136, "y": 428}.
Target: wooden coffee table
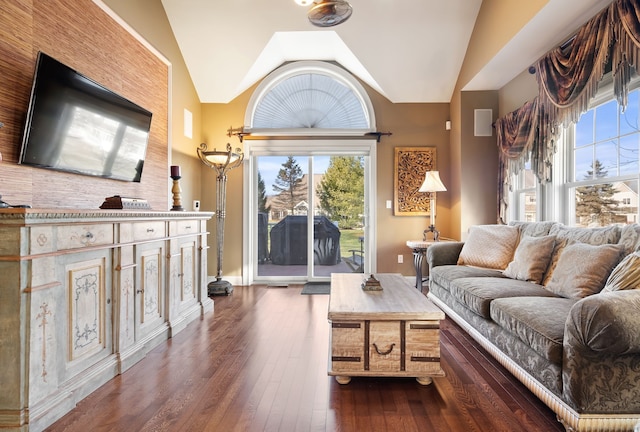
{"x": 390, "y": 333}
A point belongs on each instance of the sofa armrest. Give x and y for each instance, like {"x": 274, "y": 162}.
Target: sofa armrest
{"x": 443, "y": 253}
{"x": 607, "y": 322}
{"x": 601, "y": 353}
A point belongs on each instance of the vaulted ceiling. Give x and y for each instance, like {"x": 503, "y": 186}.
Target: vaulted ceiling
{"x": 407, "y": 50}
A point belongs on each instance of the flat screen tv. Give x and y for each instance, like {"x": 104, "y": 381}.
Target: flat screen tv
{"x": 76, "y": 125}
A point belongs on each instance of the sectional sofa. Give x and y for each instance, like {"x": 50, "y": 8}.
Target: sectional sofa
{"x": 558, "y": 306}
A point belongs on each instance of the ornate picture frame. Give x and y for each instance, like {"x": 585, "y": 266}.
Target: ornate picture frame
{"x": 410, "y": 166}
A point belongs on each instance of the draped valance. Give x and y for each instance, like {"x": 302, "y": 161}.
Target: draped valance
{"x": 568, "y": 78}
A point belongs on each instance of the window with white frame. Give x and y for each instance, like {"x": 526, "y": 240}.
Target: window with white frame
{"x": 524, "y": 196}
{"x": 596, "y": 170}
{"x": 603, "y": 165}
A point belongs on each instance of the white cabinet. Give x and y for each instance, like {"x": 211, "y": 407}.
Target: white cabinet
{"x": 84, "y": 295}
{"x": 150, "y": 316}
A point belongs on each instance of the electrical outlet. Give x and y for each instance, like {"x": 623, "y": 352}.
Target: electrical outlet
{"x": 400, "y": 259}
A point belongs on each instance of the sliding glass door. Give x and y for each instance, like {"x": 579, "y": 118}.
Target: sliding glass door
{"x": 310, "y": 212}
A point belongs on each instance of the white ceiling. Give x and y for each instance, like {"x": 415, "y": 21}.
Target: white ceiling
{"x": 408, "y": 50}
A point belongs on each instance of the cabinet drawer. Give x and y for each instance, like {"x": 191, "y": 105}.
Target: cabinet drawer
{"x": 79, "y": 236}
{"x": 347, "y": 346}
{"x": 148, "y": 230}
{"x": 423, "y": 346}
{"x": 188, "y": 227}
{"x": 385, "y": 349}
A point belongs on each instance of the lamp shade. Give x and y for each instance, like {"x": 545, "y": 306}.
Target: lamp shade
{"x": 221, "y": 161}
{"x": 432, "y": 183}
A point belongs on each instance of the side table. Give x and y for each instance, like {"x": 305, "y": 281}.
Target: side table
{"x": 419, "y": 249}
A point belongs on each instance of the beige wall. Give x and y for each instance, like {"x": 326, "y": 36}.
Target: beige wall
{"x": 148, "y": 18}
{"x": 468, "y": 164}
{"x": 479, "y": 164}
{"x": 216, "y": 120}
{"x": 411, "y": 125}
{"x": 514, "y": 94}
{"x": 474, "y": 166}
{"x": 458, "y": 151}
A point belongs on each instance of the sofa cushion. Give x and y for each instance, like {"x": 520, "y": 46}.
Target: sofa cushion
{"x": 626, "y": 275}
{"x": 630, "y": 238}
{"x": 583, "y": 269}
{"x": 568, "y": 235}
{"x": 533, "y": 229}
{"x": 477, "y": 293}
{"x": 489, "y": 246}
{"x": 537, "y": 321}
{"x": 444, "y": 275}
{"x": 531, "y": 259}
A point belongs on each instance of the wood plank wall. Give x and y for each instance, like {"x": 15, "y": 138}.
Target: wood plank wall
{"x": 81, "y": 35}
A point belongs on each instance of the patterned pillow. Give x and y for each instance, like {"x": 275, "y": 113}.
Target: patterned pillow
{"x": 489, "y": 246}
{"x": 583, "y": 269}
{"x": 626, "y": 275}
{"x": 531, "y": 258}
{"x": 566, "y": 235}
{"x": 533, "y": 229}
{"x": 630, "y": 237}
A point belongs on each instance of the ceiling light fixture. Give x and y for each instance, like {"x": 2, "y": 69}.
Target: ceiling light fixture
{"x": 326, "y": 13}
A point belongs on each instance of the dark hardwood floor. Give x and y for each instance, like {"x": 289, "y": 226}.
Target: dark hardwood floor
{"x": 259, "y": 363}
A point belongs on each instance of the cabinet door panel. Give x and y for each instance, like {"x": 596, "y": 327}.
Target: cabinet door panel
{"x": 149, "y": 294}
{"x": 423, "y": 346}
{"x": 384, "y": 346}
{"x": 86, "y": 307}
{"x": 188, "y": 272}
{"x": 347, "y": 346}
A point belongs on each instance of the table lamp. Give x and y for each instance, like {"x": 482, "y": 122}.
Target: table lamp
{"x": 432, "y": 184}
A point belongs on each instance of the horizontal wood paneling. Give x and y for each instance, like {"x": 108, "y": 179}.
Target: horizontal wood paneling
{"x": 81, "y": 35}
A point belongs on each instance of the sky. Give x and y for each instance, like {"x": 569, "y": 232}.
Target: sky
{"x": 597, "y": 139}
{"x": 269, "y": 166}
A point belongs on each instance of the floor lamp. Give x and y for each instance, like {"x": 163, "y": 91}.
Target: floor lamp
{"x": 432, "y": 184}
{"x": 222, "y": 162}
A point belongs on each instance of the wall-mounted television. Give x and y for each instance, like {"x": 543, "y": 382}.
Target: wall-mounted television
{"x": 77, "y": 125}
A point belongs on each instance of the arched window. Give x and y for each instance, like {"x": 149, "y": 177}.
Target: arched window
{"x": 310, "y": 98}
{"x": 323, "y": 112}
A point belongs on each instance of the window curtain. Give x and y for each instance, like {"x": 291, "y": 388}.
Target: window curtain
{"x": 522, "y": 134}
{"x": 568, "y": 78}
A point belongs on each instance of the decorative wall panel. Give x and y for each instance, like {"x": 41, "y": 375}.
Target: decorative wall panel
{"x": 410, "y": 166}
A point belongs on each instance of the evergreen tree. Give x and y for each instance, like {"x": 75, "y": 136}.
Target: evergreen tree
{"x": 595, "y": 203}
{"x": 341, "y": 191}
{"x": 262, "y": 196}
{"x": 288, "y": 185}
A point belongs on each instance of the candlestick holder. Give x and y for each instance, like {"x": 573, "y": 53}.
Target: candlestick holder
{"x": 177, "y": 194}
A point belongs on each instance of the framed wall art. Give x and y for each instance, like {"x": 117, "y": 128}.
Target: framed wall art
{"x": 410, "y": 166}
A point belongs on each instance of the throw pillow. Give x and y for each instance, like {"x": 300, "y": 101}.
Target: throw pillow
{"x": 583, "y": 269}
{"x": 489, "y": 246}
{"x": 626, "y": 275}
{"x": 531, "y": 258}
{"x": 565, "y": 235}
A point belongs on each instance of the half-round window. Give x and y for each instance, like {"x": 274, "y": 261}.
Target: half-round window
{"x": 310, "y": 97}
